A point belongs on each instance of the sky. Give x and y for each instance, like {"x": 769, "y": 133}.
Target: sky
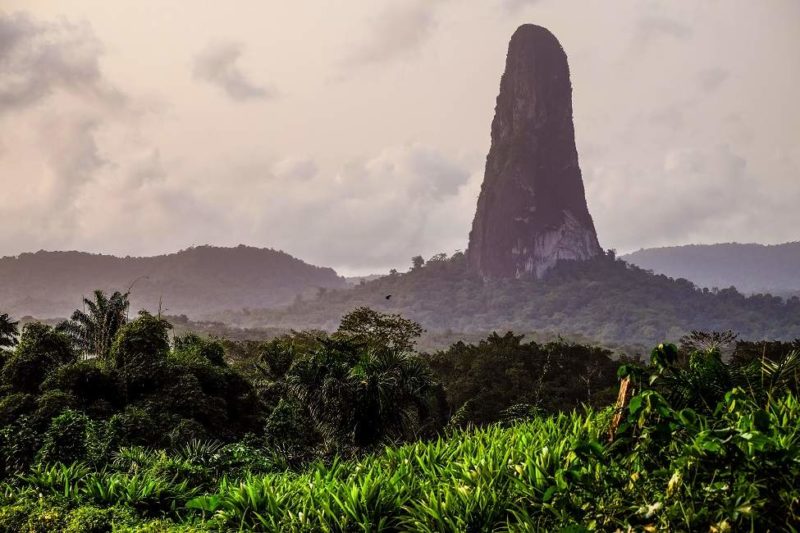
{"x": 354, "y": 134}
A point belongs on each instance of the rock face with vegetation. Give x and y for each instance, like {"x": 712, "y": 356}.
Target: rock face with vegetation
{"x": 532, "y": 207}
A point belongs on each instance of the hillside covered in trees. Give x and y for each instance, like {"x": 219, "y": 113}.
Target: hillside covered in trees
{"x": 195, "y": 281}
{"x": 751, "y": 268}
{"x": 604, "y": 299}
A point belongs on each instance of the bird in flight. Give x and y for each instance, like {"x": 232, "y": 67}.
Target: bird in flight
{"x": 388, "y": 296}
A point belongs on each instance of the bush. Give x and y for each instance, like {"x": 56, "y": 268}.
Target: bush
{"x": 18, "y": 444}
{"x": 194, "y": 346}
{"x": 41, "y": 349}
{"x": 51, "y": 404}
{"x": 187, "y": 430}
{"x": 14, "y": 517}
{"x": 96, "y": 388}
{"x": 66, "y": 439}
{"x": 141, "y": 342}
{"x": 290, "y": 427}
{"x": 89, "y": 519}
{"x": 134, "y": 426}
{"x": 15, "y": 405}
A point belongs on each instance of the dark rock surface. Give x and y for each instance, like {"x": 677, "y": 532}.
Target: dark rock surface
{"x": 532, "y": 206}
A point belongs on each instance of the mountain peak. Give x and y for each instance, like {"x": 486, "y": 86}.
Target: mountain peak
{"x": 532, "y": 208}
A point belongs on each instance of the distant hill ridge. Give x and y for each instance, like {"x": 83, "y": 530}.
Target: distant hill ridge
{"x": 604, "y": 299}
{"x": 195, "y": 281}
{"x": 751, "y": 268}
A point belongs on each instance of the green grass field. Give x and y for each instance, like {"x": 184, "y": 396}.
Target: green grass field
{"x": 735, "y": 470}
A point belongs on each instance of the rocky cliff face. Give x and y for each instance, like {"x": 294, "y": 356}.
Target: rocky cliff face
{"x": 532, "y": 206}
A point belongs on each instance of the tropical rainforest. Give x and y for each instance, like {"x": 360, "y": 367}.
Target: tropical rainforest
{"x": 111, "y": 421}
{"x": 603, "y": 300}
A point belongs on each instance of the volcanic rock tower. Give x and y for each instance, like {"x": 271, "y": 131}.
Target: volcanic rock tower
{"x": 532, "y": 206}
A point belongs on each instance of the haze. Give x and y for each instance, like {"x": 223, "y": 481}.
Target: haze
{"x": 353, "y": 135}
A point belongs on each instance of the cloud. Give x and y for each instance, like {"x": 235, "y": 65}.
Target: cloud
{"x": 294, "y": 168}
{"x": 708, "y": 194}
{"x": 371, "y": 213}
{"x": 399, "y": 31}
{"x": 61, "y": 122}
{"x": 38, "y": 59}
{"x": 513, "y": 6}
{"x": 651, "y": 27}
{"x": 711, "y": 79}
{"x": 218, "y": 65}
{"x": 54, "y": 93}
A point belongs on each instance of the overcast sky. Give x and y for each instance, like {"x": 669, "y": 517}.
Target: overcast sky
{"x": 353, "y": 134}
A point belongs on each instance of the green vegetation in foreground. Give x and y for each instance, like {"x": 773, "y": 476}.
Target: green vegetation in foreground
{"x": 108, "y": 424}
{"x": 736, "y": 470}
{"x": 735, "y": 467}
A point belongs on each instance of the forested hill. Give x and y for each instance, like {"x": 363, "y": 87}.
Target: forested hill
{"x": 751, "y": 268}
{"x": 604, "y": 299}
{"x": 194, "y": 282}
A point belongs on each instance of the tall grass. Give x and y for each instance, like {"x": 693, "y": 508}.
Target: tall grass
{"x": 738, "y": 469}
{"x": 543, "y": 475}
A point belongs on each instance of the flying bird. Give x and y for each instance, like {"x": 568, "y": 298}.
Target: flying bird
{"x": 388, "y": 296}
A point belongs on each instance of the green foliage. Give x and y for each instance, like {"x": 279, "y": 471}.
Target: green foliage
{"x": 65, "y": 439}
{"x": 701, "y": 379}
{"x": 352, "y": 390}
{"x": 669, "y": 470}
{"x": 307, "y": 434}
{"x": 94, "y": 387}
{"x": 91, "y": 519}
{"x": 15, "y": 405}
{"x": 604, "y": 299}
{"x": 371, "y": 328}
{"x": 502, "y": 371}
{"x": 361, "y": 397}
{"x": 290, "y": 427}
{"x": 51, "y": 404}
{"x": 93, "y": 329}
{"x": 194, "y": 346}
{"x": 672, "y": 466}
{"x": 55, "y": 408}
{"x": 8, "y": 333}
{"x": 41, "y": 349}
{"x": 18, "y": 444}
{"x": 141, "y": 342}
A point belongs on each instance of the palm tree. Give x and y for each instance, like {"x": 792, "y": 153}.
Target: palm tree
{"x": 363, "y": 395}
{"x": 93, "y": 329}
{"x": 8, "y": 332}
{"x": 392, "y": 393}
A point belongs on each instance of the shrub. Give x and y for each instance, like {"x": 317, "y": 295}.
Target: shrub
{"x": 141, "y": 342}
{"x": 18, "y": 444}
{"x": 15, "y": 405}
{"x": 96, "y": 388}
{"x": 194, "y": 346}
{"x": 186, "y": 431}
{"x": 65, "y": 439}
{"x": 41, "y": 349}
{"x": 134, "y": 426}
{"x": 51, "y": 404}
{"x": 90, "y": 519}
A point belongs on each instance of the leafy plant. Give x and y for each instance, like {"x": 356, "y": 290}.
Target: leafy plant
{"x": 8, "y": 333}
{"x": 93, "y": 329}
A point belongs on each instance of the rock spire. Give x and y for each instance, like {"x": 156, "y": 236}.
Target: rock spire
{"x": 532, "y": 207}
